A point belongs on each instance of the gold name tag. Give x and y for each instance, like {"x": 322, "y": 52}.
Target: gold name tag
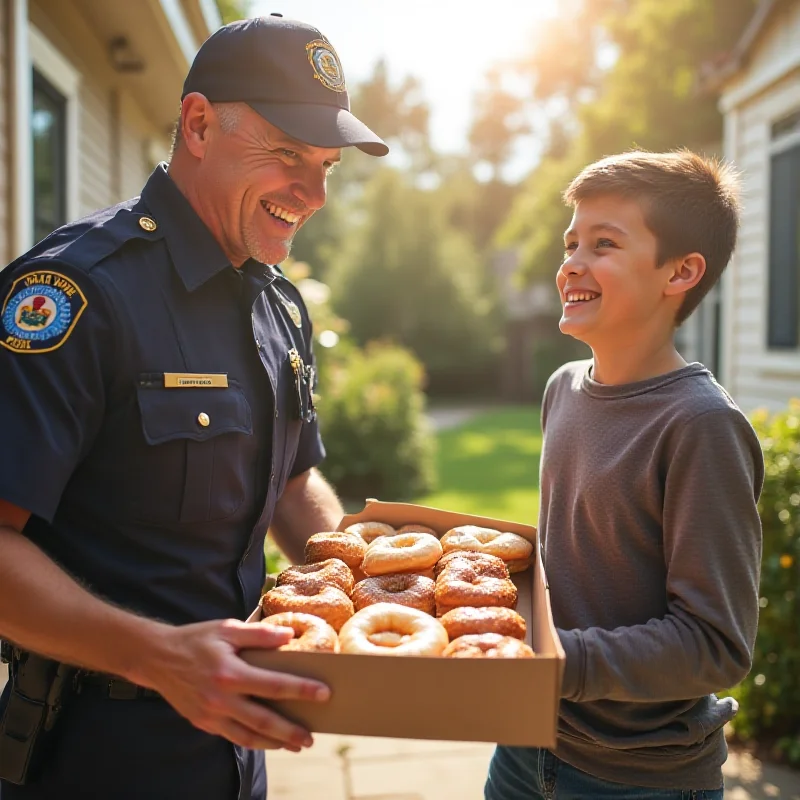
{"x": 191, "y": 380}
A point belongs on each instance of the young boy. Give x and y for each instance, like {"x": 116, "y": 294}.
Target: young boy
{"x": 650, "y": 476}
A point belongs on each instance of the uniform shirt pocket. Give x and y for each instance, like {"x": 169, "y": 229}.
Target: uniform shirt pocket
{"x": 196, "y": 452}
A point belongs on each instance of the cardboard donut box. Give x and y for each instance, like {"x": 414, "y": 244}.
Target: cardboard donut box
{"x": 508, "y": 701}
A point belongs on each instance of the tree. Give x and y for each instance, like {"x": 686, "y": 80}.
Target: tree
{"x": 498, "y": 122}
{"x": 647, "y": 98}
{"x": 405, "y": 275}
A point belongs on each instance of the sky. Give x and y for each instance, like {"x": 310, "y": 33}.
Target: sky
{"x": 448, "y": 44}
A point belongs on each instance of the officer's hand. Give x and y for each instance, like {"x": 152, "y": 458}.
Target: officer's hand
{"x": 198, "y": 671}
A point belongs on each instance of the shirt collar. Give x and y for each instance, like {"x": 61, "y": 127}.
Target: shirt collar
{"x": 195, "y": 252}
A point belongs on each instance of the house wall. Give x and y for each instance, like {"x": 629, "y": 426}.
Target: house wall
{"x": 766, "y": 90}
{"x": 117, "y": 145}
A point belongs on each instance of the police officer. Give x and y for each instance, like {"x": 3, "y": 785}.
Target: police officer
{"x": 156, "y": 410}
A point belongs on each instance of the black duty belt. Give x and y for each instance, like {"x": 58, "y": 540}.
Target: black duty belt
{"x": 112, "y": 688}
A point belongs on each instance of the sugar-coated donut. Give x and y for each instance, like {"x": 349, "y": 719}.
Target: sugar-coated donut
{"x": 331, "y": 572}
{"x": 408, "y": 589}
{"x": 515, "y": 550}
{"x": 406, "y": 552}
{"x": 391, "y": 629}
{"x": 310, "y": 633}
{"x": 348, "y": 547}
{"x": 487, "y": 645}
{"x": 468, "y": 620}
{"x": 327, "y": 602}
{"x": 369, "y": 531}
{"x": 415, "y": 527}
{"x": 461, "y": 583}
{"x": 490, "y": 566}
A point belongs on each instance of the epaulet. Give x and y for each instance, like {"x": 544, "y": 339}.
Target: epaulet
{"x": 87, "y": 242}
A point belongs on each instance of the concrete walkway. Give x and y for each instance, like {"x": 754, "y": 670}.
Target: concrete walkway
{"x": 365, "y": 768}
{"x": 453, "y": 416}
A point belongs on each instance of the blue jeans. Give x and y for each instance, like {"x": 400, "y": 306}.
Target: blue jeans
{"x": 519, "y": 773}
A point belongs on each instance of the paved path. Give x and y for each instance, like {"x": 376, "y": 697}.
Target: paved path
{"x": 452, "y": 416}
{"x": 363, "y": 768}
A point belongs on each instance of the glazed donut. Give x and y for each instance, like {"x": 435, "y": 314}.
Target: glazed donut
{"x": 468, "y": 620}
{"x": 406, "y": 552}
{"x": 515, "y": 550}
{"x": 369, "y": 531}
{"x": 327, "y": 602}
{"x": 417, "y": 528}
{"x": 348, "y": 547}
{"x": 331, "y": 572}
{"x": 310, "y": 633}
{"x": 490, "y": 566}
{"x": 408, "y": 589}
{"x": 462, "y": 584}
{"x": 487, "y": 645}
{"x": 391, "y": 629}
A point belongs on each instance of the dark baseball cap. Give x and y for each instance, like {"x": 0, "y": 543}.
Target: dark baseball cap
{"x": 289, "y": 73}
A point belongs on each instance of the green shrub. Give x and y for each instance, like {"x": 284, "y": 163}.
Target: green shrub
{"x": 373, "y": 424}
{"x": 769, "y": 698}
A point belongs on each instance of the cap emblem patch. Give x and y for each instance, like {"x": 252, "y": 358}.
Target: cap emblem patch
{"x": 326, "y": 65}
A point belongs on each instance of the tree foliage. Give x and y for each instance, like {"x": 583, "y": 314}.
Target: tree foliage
{"x": 647, "y": 98}
{"x": 406, "y": 275}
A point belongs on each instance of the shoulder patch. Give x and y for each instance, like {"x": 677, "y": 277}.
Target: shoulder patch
{"x": 40, "y": 312}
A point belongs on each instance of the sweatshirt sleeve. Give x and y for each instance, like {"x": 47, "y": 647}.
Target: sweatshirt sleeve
{"x": 712, "y": 552}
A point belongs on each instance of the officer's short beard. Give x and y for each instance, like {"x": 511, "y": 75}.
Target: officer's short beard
{"x": 271, "y": 254}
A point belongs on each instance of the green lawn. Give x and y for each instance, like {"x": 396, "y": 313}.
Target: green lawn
{"x": 490, "y": 466}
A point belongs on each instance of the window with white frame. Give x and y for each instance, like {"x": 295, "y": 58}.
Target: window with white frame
{"x": 783, "y": 313}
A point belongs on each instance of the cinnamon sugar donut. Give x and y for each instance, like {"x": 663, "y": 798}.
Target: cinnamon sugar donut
{"x": 391, "y": 629}
{"x": 468, "y": 620}
{"x": 406, "y": 552}
{"x": 416, "y": 528}
{"x": 369, "y": 531}
{"x": 311, "y": 633}
{"x": 348, "y": 547}
{"x": 491, "y": 566}
{"x": 487, "y": 645}
{"x": 327, "y": 602}
{"x": 461, "y": 583}
{"x": 331, "y": 572}
{"x": 515, "y": 550}
{"x": 408, "y": 589}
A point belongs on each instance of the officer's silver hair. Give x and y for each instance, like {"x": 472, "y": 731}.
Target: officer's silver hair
{"x": 228, "y": 114}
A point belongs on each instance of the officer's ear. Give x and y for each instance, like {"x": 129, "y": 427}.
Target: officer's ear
{"x": 194, "y": 123}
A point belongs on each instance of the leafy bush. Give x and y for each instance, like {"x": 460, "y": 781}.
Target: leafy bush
{"x": 373, "y": 425}
{"x": 770, "y": 696}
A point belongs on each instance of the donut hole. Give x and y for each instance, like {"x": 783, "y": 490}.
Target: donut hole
{"x": 388, "y": 638}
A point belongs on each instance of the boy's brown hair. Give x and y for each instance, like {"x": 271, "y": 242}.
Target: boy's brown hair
{"x": 689, "y": 203}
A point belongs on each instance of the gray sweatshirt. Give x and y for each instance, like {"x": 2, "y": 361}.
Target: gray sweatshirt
{"x": 652, "y": 549}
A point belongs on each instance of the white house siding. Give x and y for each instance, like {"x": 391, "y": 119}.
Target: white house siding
{"x": 766, "y": 90}
{"x": 141, "y": 146}
{"x": 114, "y": 135}
{"x": 5, "y": 121}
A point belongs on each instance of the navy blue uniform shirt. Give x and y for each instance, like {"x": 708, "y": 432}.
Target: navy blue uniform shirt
{"x": 150, "y": 422}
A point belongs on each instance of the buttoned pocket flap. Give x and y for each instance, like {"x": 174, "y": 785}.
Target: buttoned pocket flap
{"x": 195, "y": 414}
